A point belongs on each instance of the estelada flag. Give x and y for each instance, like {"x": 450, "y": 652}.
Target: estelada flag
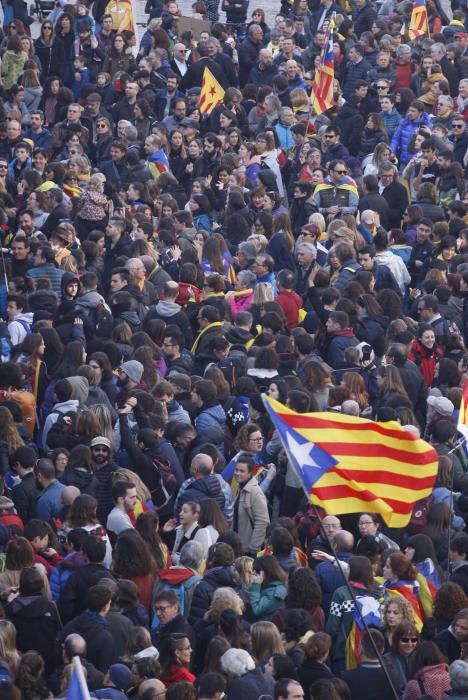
{"x": 463, "y": 412}
{"x": 211, "y": 92}
{"x": 321, "y": 97}
{"x": 349, "y": 465}
{"x": 418, "y": 23}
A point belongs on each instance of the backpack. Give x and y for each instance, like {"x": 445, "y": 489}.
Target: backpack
{"x": 418, "y": 520}
{"x": 27, "y": 402}
{"x": 168, "y": 486}
{"x": 233, "y": 367}
{"x": 180, "y": 590}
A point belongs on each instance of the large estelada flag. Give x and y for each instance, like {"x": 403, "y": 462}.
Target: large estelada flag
{"x": 321, "y": 97}
{"x": 211, "y": 92}
{"x": 418, "y": 23}
{"x": 349, "y": 465}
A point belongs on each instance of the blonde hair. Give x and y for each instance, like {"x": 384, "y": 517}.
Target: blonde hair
{"x": 142, "y": 491}
{"x": 266, "y": 640}
{"x": 298, "y": 98}
{"x": 402, "y": 604}
{"x": 244, "y": 567}
{"x": 263, "y": 292}
{"x": 319, "y": 220}
{"x": 95, "y": 184}
{"x": 68, "y": 263}
{"x": 104, "y": 417}
{"x": 8, "y": 643}
{"x": 259, "y": 240}
{"x": 225, "y": 598}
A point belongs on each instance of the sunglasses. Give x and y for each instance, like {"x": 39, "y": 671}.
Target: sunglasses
{"x": 409, "y": 640}
{"x": 382, "y": 87}
{"x": 12, "y": 26}
{"x": 101, "y": 126}
{"x": 458, "y": 126}
{"x": 340, "y": 172}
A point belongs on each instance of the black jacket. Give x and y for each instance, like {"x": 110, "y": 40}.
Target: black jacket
{"x": 248, "y": 53}
{"x": 37, "y": 624}
{"x": 178, "y": 625}
{"x": 213, "y": 579}
{"x": 448, "y": 644}
{"x": 72, "y": 602}
{"x": 24, "y": 497}
{"x": 460, "y": 576}
{"x": 397, "y": 200}
{"x": 251, "y": 686}
{"x": 309, "y": 672}
{"x": 375, "y": 201}
{"x": 94, "y": 678}
{"x": 368, "y": 682}
{"x": 194, "y": 74}
{"x": 99, "y": 642}
{"x": 351, "y": 123}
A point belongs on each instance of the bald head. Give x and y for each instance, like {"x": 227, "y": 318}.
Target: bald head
{"x": 152, "y": 684}
{"x": 202, "y": 465}
{"x": 343, "y": 541}
{"x": 330, "y": 525}
{"x": 74, "y": 645}
{"x": 69, "y": 494}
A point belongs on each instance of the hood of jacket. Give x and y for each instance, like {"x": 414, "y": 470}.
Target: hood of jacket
{"x": 27, "y": 316}
{"x": 90, "y": 300}
{"x": 80, "y": 388}
{"x": 86, "y": 623}
{"x": 73, "y": 561}
{"x": 167, "y": 308}
{"x": 176, "y": 575}
{"x": 78, "y": 476}
{"x": 29, "y": 606}
{"x": 223, "y": 576}
{"x": 66, "y": 406}
{"x": 238, "y": 335}
{"x": 43, "y": 300}
{"x": 68, "y": 278}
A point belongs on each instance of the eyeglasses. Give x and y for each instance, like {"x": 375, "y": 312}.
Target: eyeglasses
{"x": 47, "y": 26}
{"x": 257, "y": 439}
{"x": 409, "y": 640}
{"x": 382, "y": 87}
{"x": 162, "y": 608}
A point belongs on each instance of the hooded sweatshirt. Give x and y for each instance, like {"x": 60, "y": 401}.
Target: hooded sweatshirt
{"x": 59, "y": 408}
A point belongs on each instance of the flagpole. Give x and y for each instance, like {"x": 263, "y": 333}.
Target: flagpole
{"x": 346, "y": 582}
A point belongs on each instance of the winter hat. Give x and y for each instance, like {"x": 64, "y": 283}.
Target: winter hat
{"x": 120, "y": 676}
{"x": 133, "y": 369}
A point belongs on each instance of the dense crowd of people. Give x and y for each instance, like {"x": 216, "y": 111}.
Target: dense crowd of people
{"x": 162, "y": 270}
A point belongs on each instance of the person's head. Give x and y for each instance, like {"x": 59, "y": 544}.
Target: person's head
{"x": 99, "y": 599}
{"x": 288, "y": 689}
{"x": 175, "y": 651}
{"x": 369, "y": 524}
{"x": 399, "y": 566}
{"x": 396, "y": 609}
{"x": 166, "y": 606}
{"x": 405, "y": 638}
{"x": 124, "y": 495}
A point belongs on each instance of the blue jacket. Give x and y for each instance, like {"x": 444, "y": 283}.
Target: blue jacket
{"x": 284, "y": 135}
{"x": 403, "y": 134}
{"x": 329, "y": 579}
{"x": 63, "y": 571}
{"x": 41, "y": 140}
{"x": 355, "y": 72}
{"x": 212, "y": 417}
{"x": 49, "y": 505}
{"x": 391, "y": 121}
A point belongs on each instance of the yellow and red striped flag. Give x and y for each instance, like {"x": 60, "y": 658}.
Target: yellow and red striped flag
{"x": 321, "y": 97}
{"x": 211, "y": 92}
{"x": 418, "y": 23}
{"x": 350, "y": 464}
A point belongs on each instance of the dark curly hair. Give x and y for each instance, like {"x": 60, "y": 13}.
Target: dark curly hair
{"x": 132, "y": 556}
{"x": 450, "y": 599}
{"x": 303, "y": 589}
{"x": 296, "y": 623}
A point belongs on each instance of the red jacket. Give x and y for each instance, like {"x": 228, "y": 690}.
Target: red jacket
{"x": 290, "y": 303}
{"x": 177, "y": 674}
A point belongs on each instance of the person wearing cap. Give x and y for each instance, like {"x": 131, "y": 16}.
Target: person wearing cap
{"x": 130, "y": 374}
{"x": 190, "y": 128}
{"x": 93, "y": 112}
{"x": 37, "y": 133}
{"x": 116, "y": 681}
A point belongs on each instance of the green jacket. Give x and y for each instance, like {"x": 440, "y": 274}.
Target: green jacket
{"x": 267, "y": 600}
{"x": 341, "y": 617}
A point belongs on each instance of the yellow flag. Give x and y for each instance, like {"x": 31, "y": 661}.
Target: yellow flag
{"x": 211, "y": 93}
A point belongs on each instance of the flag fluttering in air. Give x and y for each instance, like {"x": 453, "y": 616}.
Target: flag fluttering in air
{"x": 77, "y": 687}
{"x": 321, "y": 97}
{"x": 418, "y": 23}
{"x": 463, "y": 412}
{"x": 348, "y": 464}
{"x": 211, "y": 92}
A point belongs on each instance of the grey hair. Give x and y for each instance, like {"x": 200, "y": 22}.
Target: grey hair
{"x": 246, "y": 277}
{"x": 439, "y": 47}
{"x": 237, "y": 662}
{"x": 191, "y": 555}
{"x": 130, "y": 132}
{"x": 249, "y": 250}
{"x": 403, "y": 48}
{"x": 387, "y": 165}
{"x": 275, "y": 100}
{"x": 458, "y": 672}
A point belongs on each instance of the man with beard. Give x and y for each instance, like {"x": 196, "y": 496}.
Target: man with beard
{"x": 130, "y": 374}
{"x": 103, "y": 469}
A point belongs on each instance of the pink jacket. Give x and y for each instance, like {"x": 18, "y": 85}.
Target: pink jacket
{"x": 239, "y": 303}
{"x": 432, "y": 680}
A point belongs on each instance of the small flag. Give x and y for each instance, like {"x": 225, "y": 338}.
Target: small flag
{"x": 463, "y": 412}
{"x": 348, "y": 464}
{"x": 418, "y": 23}
{"x": 321, "y": 97}
{"x": 77, "y": 688}
{"x": 211, "y": 92}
